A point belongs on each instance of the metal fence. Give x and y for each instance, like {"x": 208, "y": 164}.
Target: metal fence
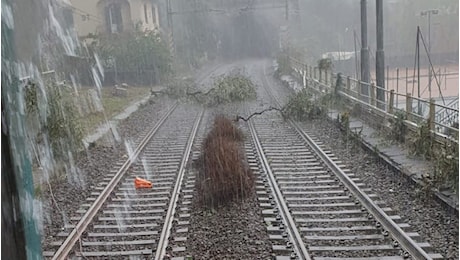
{"x": 443, "y": 119}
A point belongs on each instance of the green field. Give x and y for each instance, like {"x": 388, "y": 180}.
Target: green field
{"x": 112, "y": 105}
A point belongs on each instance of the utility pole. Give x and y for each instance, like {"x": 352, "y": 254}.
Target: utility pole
{"x": 380, "y": 56}
{"x": 365, "y": 74}
{"x": 287, "y": 10}
{"x": 417, "y": 49}
{"x": 429, "y": 13}
{"x": 170, "y": 26}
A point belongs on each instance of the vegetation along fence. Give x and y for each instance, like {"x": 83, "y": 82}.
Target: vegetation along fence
{"x": 442, "y": 119}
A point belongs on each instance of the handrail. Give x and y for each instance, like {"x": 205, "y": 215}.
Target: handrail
{"x": 352, "y": 91}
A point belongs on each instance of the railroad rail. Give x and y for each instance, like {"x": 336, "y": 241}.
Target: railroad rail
{"x": 118, "y": 200}
{"x": 319, "y": 207}
{"x": 125, "y": 222}
{"x": 313, "y": 205}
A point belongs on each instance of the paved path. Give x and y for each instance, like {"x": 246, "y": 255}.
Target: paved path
{"x": 397, "y": 156}
{"x": 111, "y": 124}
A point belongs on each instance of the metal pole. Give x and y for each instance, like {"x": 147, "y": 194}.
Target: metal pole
{"x": 397, "y": 86}
{"x": 380, "y": 62}
{"x": 419, "y": 110}
{"x": 407, "y": 78}
{"x": 287, "y": 10}
{"x": 387, "y": 81}
{"x": 429, "y": 52}
{"x": 365, "y": 73}
{"x": 170, "y": 26}
{"x": 423, "y": 13}
{"x": 356, "y": 57}
{"x": 445, "y": 78}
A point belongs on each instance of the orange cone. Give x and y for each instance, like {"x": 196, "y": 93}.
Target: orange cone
{"x": 141, "y": 183}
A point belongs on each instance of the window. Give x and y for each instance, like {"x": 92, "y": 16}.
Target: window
{"x": 114, "y": 19}
{"x": 154, "y": 15}
{"x": 145, "y": 14}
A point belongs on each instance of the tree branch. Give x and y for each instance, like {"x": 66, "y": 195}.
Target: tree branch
{"x": 200, "y": 92}
{"x": 238, "y": 117}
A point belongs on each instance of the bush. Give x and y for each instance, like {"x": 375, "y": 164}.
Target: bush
{"x": 135, "y": 51}
{"x": 228, "y": 88}
{"x": 421, "y": 142}
{"x": 224, "y": 176}
{"x": 446, "y": 167}
{"x": 232, "y": 88}
{"x": 325, "y": 64}
{"x": 398, "y": 127}
{"x": 57, "y": 119}
{"x": 178, "y": 88}
{"x": 301, "y": 107}
{"x": 223, "y": 127}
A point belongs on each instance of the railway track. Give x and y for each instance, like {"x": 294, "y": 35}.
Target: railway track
{"x": 314, "y": 207}
{"x": 122, "y": 222}
{"x": 119, "y": 222}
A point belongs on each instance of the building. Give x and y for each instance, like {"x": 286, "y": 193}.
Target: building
{"x": 113, "y": 16}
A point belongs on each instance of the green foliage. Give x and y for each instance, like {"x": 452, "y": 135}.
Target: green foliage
{"x": 421, "y": 141}
{"x": 446, "y": 167}
{"x": 61, "y": 123}
{"x": 302, "y": 107}
{"x": 233, "y": 87}
{"x": 178, "y": 88}
{"x": 38, "y": 192}
{"x": 398, "y": 127}
{"x": 325, "y": 64}
{"x": 135, "y": 51}
{"x": 344, "y": 120}
{"x": 31, "y": 98}
{"x": 331, "y": 100}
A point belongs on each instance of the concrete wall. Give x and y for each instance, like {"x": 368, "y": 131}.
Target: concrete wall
{"x": 139, "y": 9}
{"x": 86, "y": 17}
{"x": 89, "y": 15}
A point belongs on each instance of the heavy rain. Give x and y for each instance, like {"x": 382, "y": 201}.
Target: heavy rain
{"x": 230, "y": 129}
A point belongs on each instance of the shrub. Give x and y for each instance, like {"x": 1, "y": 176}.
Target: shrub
{"x": 301, "y": 107}
{"x": 54, "y": 116}
{"x": 224, "y": 176}
{"x": 232, "y": 88}
{"x": 421, "y": 142}
{"x": 446, "y": 167}
{"x": 223, "y": 127}
{"x": 178, "y": 88}
{"x": 325, "y": 64}
{"x": 398, "y": 127}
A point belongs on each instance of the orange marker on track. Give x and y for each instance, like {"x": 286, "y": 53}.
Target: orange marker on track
{"x": 140, "y": 183}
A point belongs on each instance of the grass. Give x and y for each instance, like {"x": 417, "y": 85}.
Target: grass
{"x": 112, "y": 105}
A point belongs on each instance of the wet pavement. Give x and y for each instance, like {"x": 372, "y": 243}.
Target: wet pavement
{"x": 397, "y": 156}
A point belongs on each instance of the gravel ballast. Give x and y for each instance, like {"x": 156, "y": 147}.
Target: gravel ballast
{"x": 235, "y": 231}
{"x": 436, "y": 224}
{"x": 70, "y": 191}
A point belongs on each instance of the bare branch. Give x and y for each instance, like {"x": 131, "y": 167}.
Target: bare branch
{"x": 238, "y": 117}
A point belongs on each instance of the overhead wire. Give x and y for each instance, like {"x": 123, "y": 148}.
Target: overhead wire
{"x": 85, "y": 13}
